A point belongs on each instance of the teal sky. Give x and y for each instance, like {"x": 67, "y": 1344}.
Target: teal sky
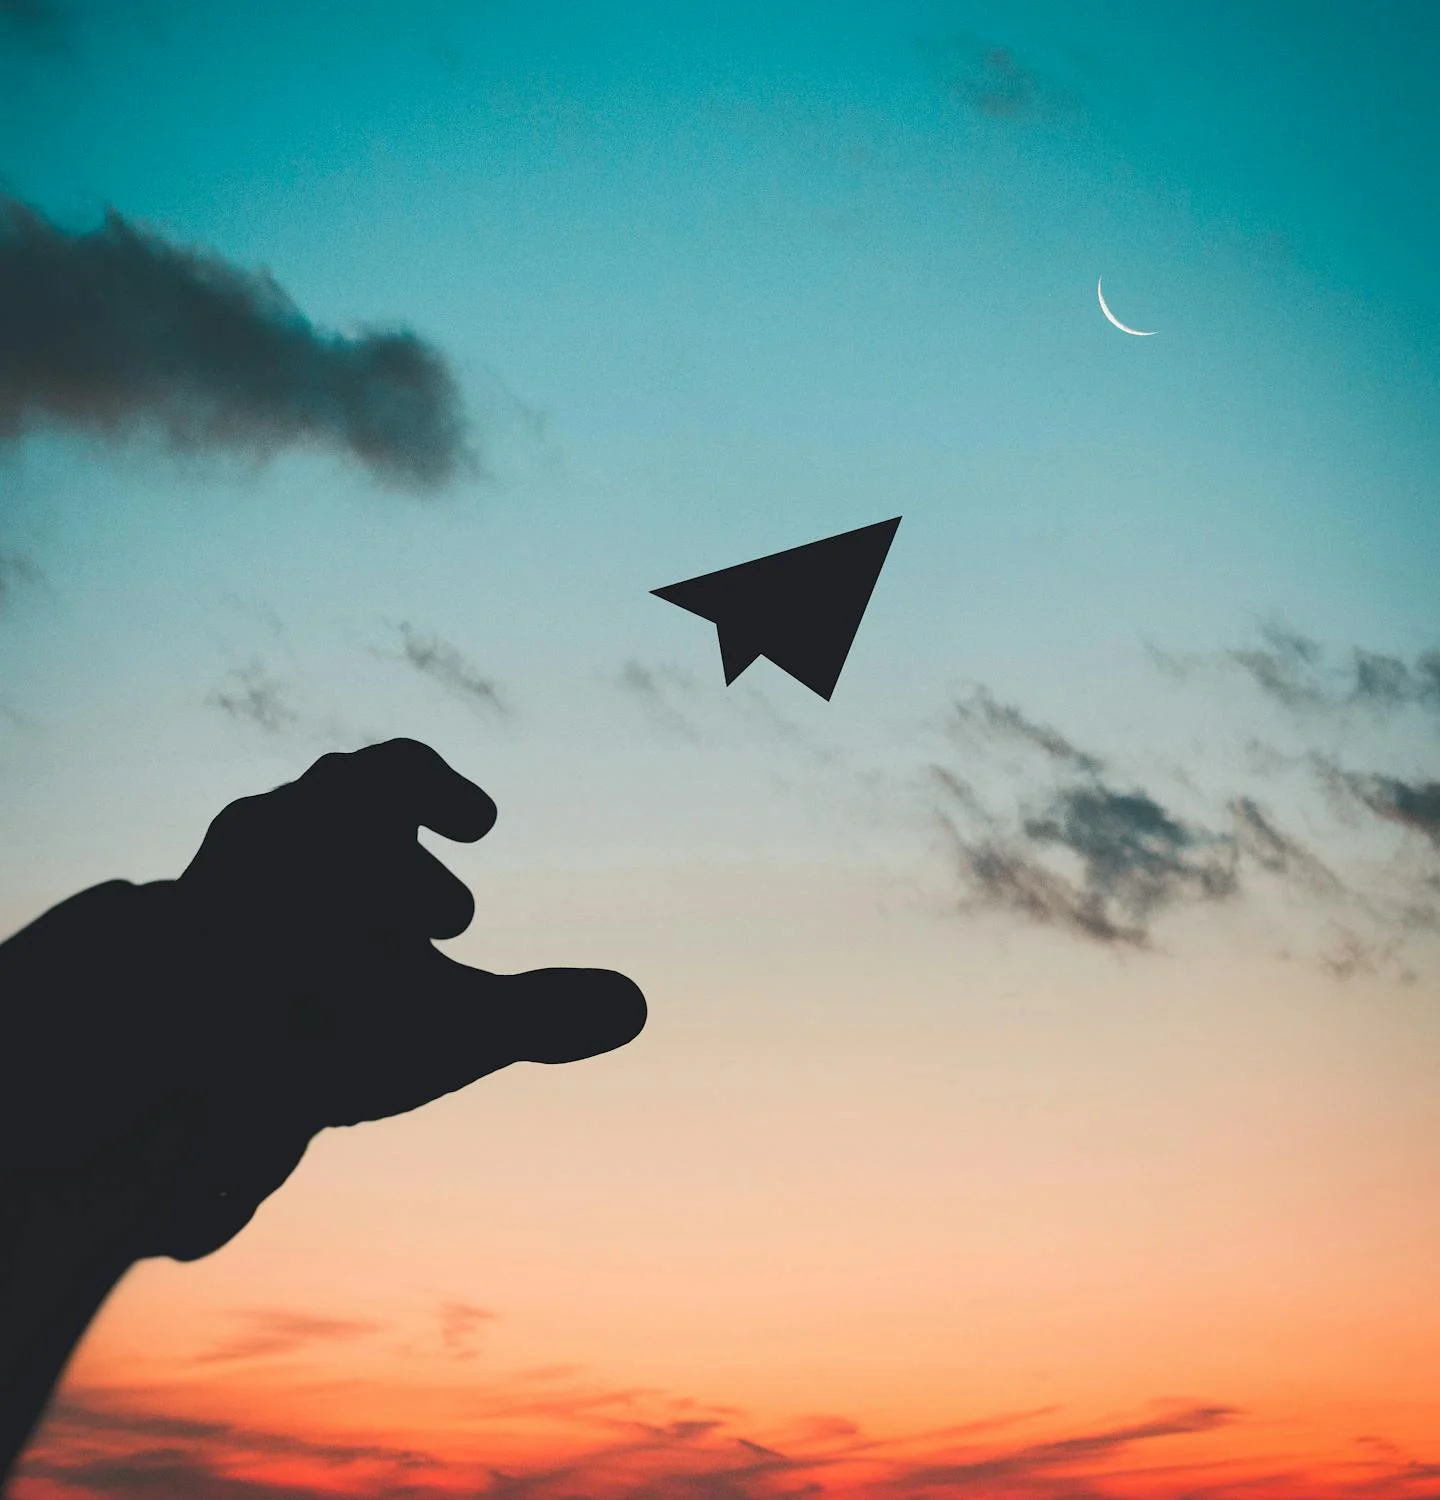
{"x": 719, "y": 284}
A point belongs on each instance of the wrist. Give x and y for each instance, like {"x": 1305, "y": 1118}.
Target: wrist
{"x": 67, "y": 1236}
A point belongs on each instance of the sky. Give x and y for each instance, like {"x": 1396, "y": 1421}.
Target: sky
{"x": 1037, "y": 1098}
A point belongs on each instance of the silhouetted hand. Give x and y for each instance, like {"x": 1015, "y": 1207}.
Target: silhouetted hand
{"x": 335, "y": 1005}
{"x": 168, "y": 1051}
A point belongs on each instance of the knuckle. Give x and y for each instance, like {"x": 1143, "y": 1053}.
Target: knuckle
{"x": 330, "y": 765}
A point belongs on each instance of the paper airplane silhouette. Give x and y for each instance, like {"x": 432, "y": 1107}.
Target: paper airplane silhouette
{"x": 800, "y": 608}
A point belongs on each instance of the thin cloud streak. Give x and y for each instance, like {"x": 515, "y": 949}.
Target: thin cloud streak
{"x": 1039, "y": 1459}
{"x": 442, "y": 662}
{"x": 269, "y": 1332}
{"x": 658, "y": 690}
{"x": 983, "y": 716}
{"x": 674, "y": 700}
{"x": 1260, "y": 839}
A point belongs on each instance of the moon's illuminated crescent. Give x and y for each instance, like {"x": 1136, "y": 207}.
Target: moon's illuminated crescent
{"x": 1139, "y": 333}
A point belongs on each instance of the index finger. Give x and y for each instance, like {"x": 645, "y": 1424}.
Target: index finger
{"x": 406, "y": 782}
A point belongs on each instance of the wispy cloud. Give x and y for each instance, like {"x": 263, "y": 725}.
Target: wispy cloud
{"x": 1350, "y": 954}
{"x": 446, "y": 664}
{"x": 267, "y": 1332}
{"x": 1059, "y": 837}
{"x": 1008, "y": 1472}
{"x": 115, "y": 329}
{"x": 1302, "y": 675}
{"x": 253, "y": 694}
{"x": 1260, "y": 839}
{"x": 1288, "y": 667}
{"x": 660, "y": 690}
{"x": 675, "y": 700}
{"x": 273, "y": 684}
{"x": 1089, "y": 856}
{"x": 460, "y": 1322}
{"x": 981, "y": 716}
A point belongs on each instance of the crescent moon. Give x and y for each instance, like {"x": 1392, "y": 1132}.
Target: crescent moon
{"x": 1139, "y": 333}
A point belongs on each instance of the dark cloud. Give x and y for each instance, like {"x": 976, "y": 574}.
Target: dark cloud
{"x": 1003, "y": 875}
{"x": 255, "y": 695}
{"x": 982, "y": 715}
{"x": 115, "y": 329}
{"x": 447, "y": 665}
{"x": 1412, "y": 805}
{"x": 1053, "y": 834}
{"x": 272, "y": 1331}
{"x": 1098, "y": 862}
{"x": 1383, "y": 680}
{"x": 1088, "y": 856}
{"x": 1134, "y": 859}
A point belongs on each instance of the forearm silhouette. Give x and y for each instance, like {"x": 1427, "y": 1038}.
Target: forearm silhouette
{"x": 167, "y": 1051}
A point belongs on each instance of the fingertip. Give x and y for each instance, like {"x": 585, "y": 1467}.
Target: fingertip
{"x": 626, "y": 1003}
{"x": 568, "y": 1014}
{"x": 416, "y": 781}
{"x": 482, "y": 816}
{"x": 468, "y": 814}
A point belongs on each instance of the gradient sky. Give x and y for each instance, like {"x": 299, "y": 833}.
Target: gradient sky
{"x": 913, "y": 1187}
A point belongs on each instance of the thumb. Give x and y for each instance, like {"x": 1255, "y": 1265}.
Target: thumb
{"x": 457, "y": 1024}
{"x": 562, "y": 1015}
